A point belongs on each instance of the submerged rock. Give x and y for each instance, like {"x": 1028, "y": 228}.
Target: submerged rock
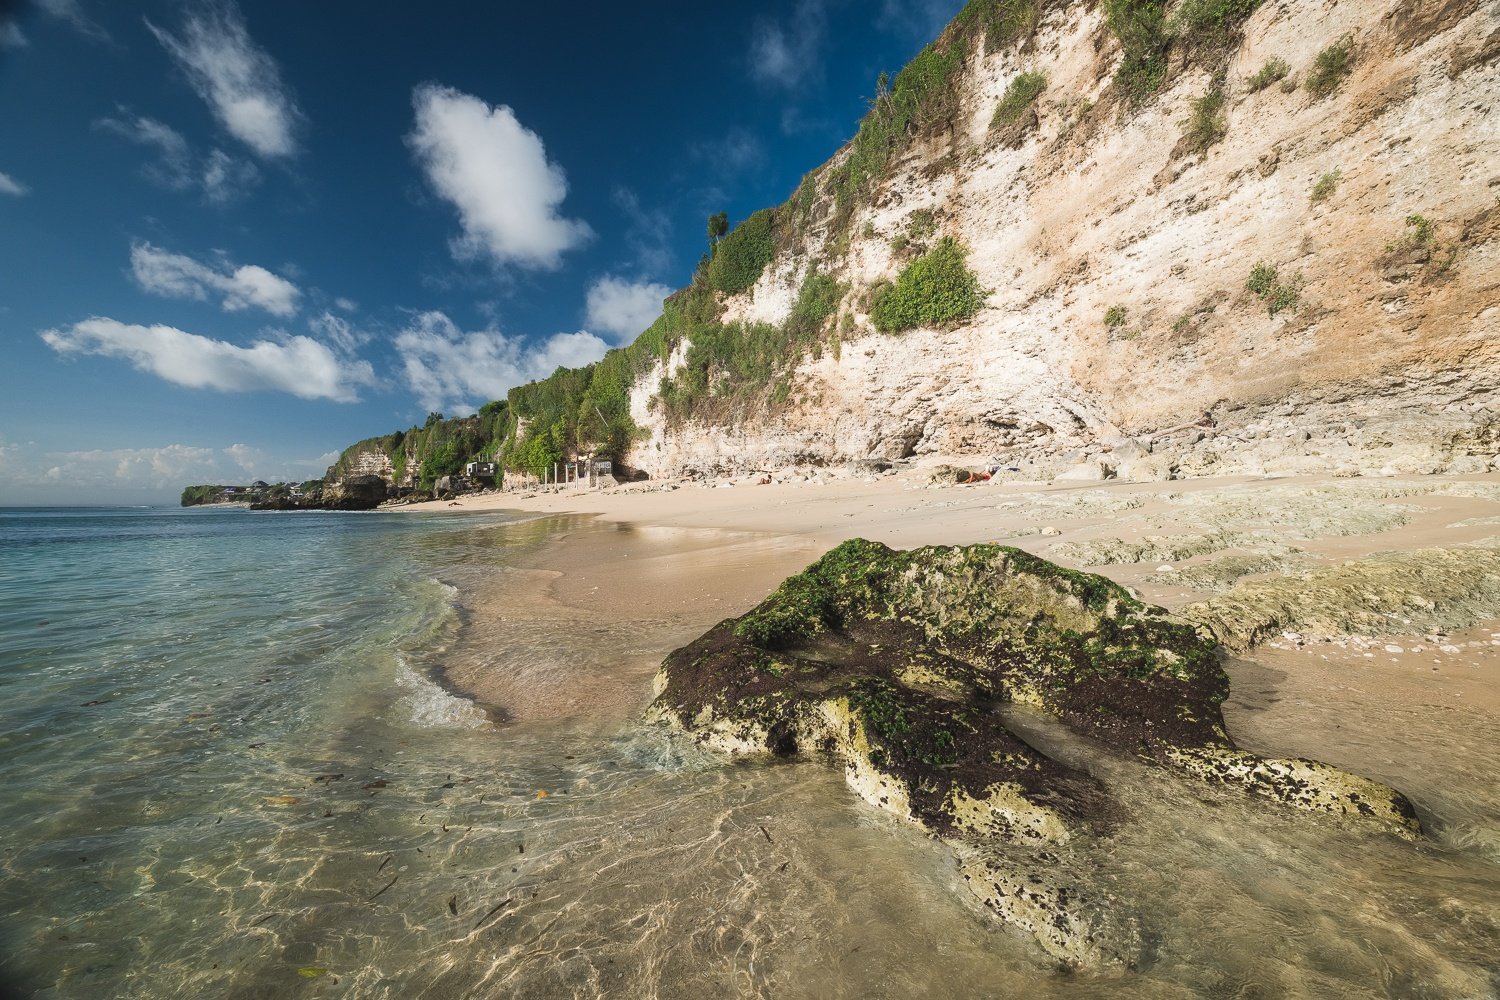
{"x": 894, "y": 663}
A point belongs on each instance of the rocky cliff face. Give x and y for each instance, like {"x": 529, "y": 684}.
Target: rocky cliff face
{"x": 1300, "y": 276}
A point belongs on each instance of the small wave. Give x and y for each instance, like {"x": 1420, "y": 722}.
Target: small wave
{"x": 432, "y": 707}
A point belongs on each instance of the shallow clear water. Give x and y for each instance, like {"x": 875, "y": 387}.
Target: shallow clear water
{"x": 229, "y": 772}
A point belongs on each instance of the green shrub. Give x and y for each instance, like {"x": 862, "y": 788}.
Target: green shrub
{"x": 1327, "y": 184}
{"x": 1018, "y": 98}
{"x": 1330, "y": 68}
{"x": 921, "y": 226}
{"x": 816, "y": 301}
{"x": 1276, "y": 294}
{"x": 1211, "y": 23}
{"x": 1208, "y": 123}
{"x": 1262, "y": 278}
{"x": 1141, "y": 27}
{"x": 1004, "y": 22}
{"x": 936, "y": 289}
{"x": 1437, "y": 258}
{"x": 1115, "y": 316}
{"x": 741, "y": 256}
{"x": 1418, "y": 235}
{"x": 444, "y": 460}
{"x": 1276, "y": 68}
{"x": 1285, "y": 296}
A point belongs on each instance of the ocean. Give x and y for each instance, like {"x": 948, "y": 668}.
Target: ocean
{"x": 235, "y": 766}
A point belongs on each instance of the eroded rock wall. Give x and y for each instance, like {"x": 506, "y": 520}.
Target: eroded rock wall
{"x": 1389, "y": 359}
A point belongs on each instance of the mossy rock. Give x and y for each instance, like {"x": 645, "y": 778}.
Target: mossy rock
{"x": 894, "y": 663}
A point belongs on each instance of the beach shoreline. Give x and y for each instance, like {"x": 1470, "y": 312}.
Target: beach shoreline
{"x": 660, "y": 563}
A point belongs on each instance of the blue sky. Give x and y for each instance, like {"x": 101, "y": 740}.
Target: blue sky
{"x": 235, "y": 238}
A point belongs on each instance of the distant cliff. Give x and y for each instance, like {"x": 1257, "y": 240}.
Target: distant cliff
{"x": 1129, "y": 238}
{"x": 421, "y": 455}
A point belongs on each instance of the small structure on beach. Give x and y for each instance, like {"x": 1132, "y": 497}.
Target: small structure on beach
{"x": 482, "y": 471}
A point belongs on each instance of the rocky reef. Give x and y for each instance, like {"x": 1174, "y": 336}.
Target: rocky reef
{"x": 898, "y": 665}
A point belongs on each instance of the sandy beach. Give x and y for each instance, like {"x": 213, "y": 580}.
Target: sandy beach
{"x": 666, "y": 560}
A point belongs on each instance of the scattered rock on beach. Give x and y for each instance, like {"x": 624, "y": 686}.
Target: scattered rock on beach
{"x": 1390, "y": 593}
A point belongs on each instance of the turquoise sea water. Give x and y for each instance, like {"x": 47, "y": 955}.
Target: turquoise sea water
{"x": 231, "y": 769}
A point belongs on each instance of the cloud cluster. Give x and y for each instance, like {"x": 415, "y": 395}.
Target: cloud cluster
{"x": 9, "y": 185}
{"x": 298, "y": 365}
{"x": 338, "y": 332}
{"x": 495, "y": 172}
{"x": 921, "y": 19}
{"x": 175, "y": 276}
{"x": 220, "y": 177}
{"x": 787, "y": 55}
{"x": 69, "y": 11}
{"x": 33, "y": 474}
{"x": 450, "y": 369}
{"x": 624, "y": 308}
{"x": 238, "y": 80}
{"x": 649, "y": 235}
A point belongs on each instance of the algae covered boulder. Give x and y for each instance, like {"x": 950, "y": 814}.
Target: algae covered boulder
{"x": 898, "y": 664}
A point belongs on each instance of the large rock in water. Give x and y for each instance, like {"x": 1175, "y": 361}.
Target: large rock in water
{"x": 355, "y": 493}
{"x": 895, "y": 663}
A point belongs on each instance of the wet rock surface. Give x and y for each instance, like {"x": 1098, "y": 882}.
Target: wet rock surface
{"x": 902, "y": 666}
{"x": 1388, "y": 593}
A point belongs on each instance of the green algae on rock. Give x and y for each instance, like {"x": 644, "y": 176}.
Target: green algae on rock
{"x": 894, "y": 663}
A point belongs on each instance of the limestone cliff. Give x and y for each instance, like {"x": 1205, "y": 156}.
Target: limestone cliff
{"x": 1285, "y": 256}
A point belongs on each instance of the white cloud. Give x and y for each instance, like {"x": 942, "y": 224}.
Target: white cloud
{"x": 650, "y": 232}
{"x": 347, "y": 305}
{"x": 923, "y": 20}
{"x": 221, "y": 177}
{"x": 247, "y": 458}
{"x": 9, "y": 185}
{"x": 10, "y": 35}
{"x": 138, "y": 474}
{"x": 624, "y": 308}
{"x": 300, "y": 366}
{"x": 138, "y": 467}
{"x": 224, "y": 178}
{"x": 495, "y": 172}
{"x": 175, "y": 276}
{"x": 69, "y": 11}
{"x": 736, "y": 151}
{"x": 238, "y": 80}
{"x": 448, "y": 368}
{"x": 337, "y": 331}
{"x": 787, "y": 55}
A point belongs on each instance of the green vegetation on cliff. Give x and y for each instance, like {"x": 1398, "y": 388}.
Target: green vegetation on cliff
{"x": 936, "y": 289}
{"x": 434, "y": 449}
{"x": 193, "y": 496}
{"x": 734, "y": 369}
